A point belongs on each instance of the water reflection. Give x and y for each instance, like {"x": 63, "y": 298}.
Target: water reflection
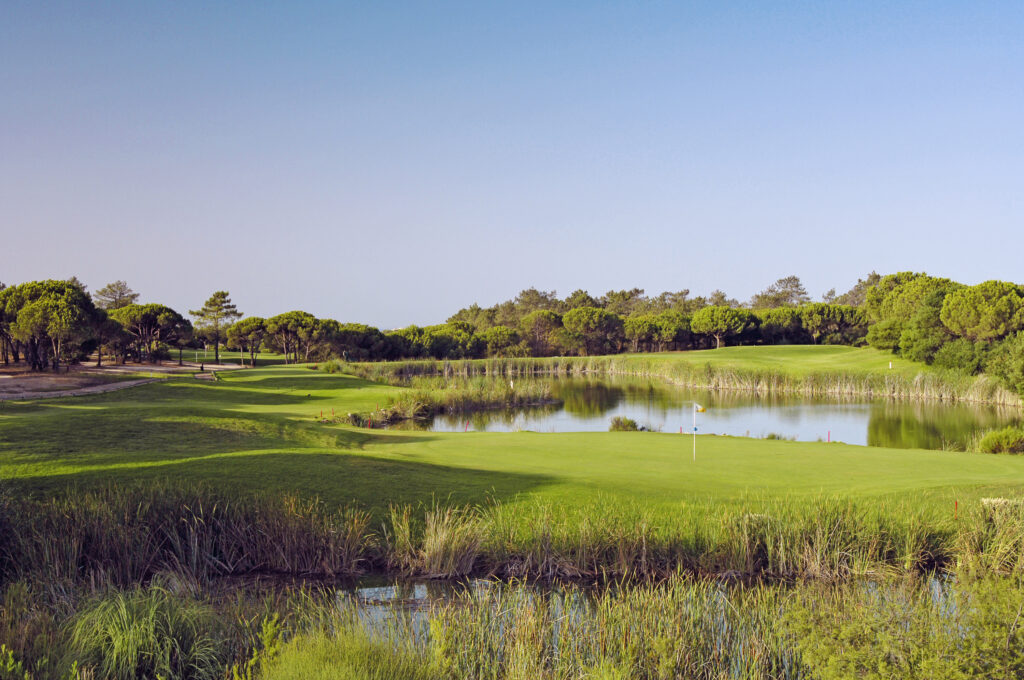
{"x": 588, "y": 404}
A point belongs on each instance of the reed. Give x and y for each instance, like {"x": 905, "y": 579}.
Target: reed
{"x": 683, "y": 628}
{"x": 124, "y": 537}
{"x": 925, "y": 385}
{"x": 429, "y": 396}
{"x": 149, "y": 633}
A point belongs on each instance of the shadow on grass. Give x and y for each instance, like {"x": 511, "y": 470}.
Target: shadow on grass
{"x": 336, "y": 478}
{"x": 130, "y": 436}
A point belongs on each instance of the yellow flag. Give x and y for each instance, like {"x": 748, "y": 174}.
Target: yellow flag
{"x": 700, "y": 409}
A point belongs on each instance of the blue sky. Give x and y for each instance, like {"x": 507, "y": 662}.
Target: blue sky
{"x": 391, "y": 163}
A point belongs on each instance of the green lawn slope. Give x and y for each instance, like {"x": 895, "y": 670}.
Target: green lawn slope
{"x": 259, "y": 430}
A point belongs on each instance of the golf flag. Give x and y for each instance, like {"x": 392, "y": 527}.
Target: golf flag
{"x": 700, "y": 409}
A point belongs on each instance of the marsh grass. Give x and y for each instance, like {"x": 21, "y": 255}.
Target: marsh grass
{"x": 429, "y": 396}
{"x": 926, "y": 384}
{"x": 685, "y": 628}
{"x": 150, "y": 633}
{"x": 124, "y": 537}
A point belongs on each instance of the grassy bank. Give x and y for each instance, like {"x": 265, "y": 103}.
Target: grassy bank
{"x": 425, "y": 396}
{"x": 126, "y": 537}
{"x": 794, "y": 369}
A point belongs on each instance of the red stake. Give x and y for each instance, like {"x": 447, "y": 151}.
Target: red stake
{"x": 680, "y": 430}
{"x": 830, "y": 436}
{"x": 467, "y": 427}
{"x": 956, "y": 506}
{"x": 371, "y": 424}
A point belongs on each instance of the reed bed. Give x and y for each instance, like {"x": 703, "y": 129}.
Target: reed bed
{"x": 678, "y": 628}
{"x": 126, "y": 536}
{"x": 931, "y": 385}
{"x": 429, "y": 396}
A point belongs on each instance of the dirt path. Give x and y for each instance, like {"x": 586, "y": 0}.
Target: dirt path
{"x": 81, "y": 391}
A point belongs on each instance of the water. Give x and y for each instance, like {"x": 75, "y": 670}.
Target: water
{"x": 589, "y": 404}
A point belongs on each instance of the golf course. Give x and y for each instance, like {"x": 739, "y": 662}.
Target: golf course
{"x": 280, "y": 429}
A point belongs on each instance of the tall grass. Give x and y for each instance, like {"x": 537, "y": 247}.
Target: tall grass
{"x": 683, "y": 628}
{"x": 125, "y": 537}
{"x": 930, "y": 385}
{"x": 428, "y": 396}
{"x": 149, "y": 633}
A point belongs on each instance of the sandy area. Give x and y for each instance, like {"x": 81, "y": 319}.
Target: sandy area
{"x": 18, "y": 383}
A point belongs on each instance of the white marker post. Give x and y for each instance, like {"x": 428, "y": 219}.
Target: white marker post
{"x": 696, "y": 408}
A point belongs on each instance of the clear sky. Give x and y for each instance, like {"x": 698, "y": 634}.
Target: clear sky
{"x": 391, "y": 163}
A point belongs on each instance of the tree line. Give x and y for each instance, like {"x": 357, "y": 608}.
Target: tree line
{"x": 923, "y": 318}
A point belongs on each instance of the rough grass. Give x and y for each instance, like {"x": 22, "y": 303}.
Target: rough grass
{"x": 799, "y": 369}
{"x": 683, "y": 628}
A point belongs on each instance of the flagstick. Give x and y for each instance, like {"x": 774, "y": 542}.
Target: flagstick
{"x": 695, "y": 433}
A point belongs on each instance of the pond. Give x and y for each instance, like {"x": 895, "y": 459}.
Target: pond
{"x": 589, "y": 404}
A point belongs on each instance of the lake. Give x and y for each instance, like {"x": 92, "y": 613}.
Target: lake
{"x": 589, "y": 404}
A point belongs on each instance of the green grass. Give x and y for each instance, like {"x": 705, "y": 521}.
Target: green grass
{"x": 258, "y": 430}
{"x": 228, "y": 356}
{"x": 803, "y": 369}
{"x": 797, "y": 360}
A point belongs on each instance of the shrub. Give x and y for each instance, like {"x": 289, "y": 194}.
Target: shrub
{"x": 332, "y": 366}
{"x": 885, "y": 334}
{"x": 623, "y": 424}
{"x": 1006, "y": 362}
{"x": 150, "y": 633}
{"x": 962, "y": 356}
{"x": 1007, "y": 440}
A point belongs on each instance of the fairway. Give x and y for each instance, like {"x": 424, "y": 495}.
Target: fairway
{"x": 260, "y": 430}
{"x": 797, "y": 360}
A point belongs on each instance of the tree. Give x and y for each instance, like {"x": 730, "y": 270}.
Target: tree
{"x": 531, "y": 299}
{"x": 247, "y": 335}
{"x": 856, "y": 296}
{"x": 1007, "y": 362}
{"x": 892, "y": 302}
{"x": 640, "y": 329}
{"x": 924, "y": 334}
{"x": 500, "y": 340}
{"x": 479, "y": 317}
{"x": 673, "y": 328}
{"x": 721, "y": 322}
{"x": 718, "y": 298}
{"x": 285, "y": 332}
{"x": 786, "y": 292}
{"x": 623, "y": 302}
{"x": 47, "y": 318}
{"x": 107, "y": 332}
{"x": 214, "y": 317}
{"x": 836, "y": 323}
{"x": 150, "y": 324}
{"x": 115, "y": 295}
{"x": 782, "y": 325}
{"x": 539, "y": 330}
{"x": 176, "y": 331}
{"x": 579, "y": 298}
{"x": 359, "y": 342}
{"x": 597, "y": 329}
{"x": 985, "y": 312}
